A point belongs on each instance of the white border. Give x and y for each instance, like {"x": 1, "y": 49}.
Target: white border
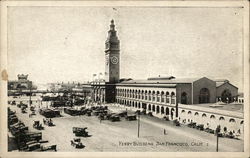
{"x": 3, "y": 85}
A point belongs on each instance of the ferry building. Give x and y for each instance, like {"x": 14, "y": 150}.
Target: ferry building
{"x": 164, "y": 96}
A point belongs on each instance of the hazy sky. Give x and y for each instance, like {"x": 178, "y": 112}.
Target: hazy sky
{"x": 67, "y": 43}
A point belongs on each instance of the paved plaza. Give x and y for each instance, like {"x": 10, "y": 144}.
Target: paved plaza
{"x": 123, "y": 135}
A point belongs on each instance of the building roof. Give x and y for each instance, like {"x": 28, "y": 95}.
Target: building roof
{"x": 218, "y": 84}
{"x": 161, "y": 81}
{"x": 227, "y": 110}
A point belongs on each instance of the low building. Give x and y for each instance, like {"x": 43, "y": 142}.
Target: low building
{"x": 22, "y": 83}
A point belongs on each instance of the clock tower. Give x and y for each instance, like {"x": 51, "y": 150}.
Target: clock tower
{"x": 112, "y": 55}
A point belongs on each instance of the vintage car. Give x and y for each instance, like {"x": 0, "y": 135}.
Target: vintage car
{"x": 23, "y": 109}
{"x": 38, "y": 125}
{"x": 49, "y": 113}
{"x": 150, "y": 114}
{"x": 76, "y": 142}
{"x": 80, "y": 132}
{"x": 130, "y": 117}
{"x": 122, "y": 113}
{"x": 200, "y": 127}
{"x": 34, "y": 146}
{"x": 32, "y": 108}
{"x": 29, "y": 136}
{"x": 192, "y": 125}
{"x": 48, "y": 122}
{"x": 13, "y": 102}
{"x": 176, "y": 123}
{"x": 114, "y": 118}
{"x": 46, "y": 148}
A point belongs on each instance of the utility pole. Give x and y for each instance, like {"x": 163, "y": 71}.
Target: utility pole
{"x": 217, "y": 143}
{"x": 138, "y": 124}
{"x": 217, "y": 131}
{"x": 30, "y": 97}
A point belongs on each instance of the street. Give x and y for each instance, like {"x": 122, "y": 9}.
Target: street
{"x": 122, "y": 135}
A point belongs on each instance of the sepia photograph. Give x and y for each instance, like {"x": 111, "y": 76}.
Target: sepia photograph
{"x": 125, "y": 78}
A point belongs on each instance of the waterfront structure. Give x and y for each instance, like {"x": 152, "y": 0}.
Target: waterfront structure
{"x": 187, "y": 100}
{"x": 181, "y": 90}
{"x": 21, "y": 84}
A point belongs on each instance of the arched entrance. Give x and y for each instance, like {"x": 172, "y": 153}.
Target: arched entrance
{"x": 162, "y": 110}
{"x": 172, "y": 113}
{"x": 167, "y": 111}
{"x": 226, "y": 96}
{"x": 183, "y": 98}
{"x": 204, "y": 96}
{"x": 149, "y": 107}
{"x": 157, "y": 109}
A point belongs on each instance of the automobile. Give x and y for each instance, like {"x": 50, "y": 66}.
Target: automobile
{"x": 48, "y": 122}
{"x": 200, "y": 127}
{"x": 208, "y": 130}
{"x": 192, "y": 125}
{"x": 80, "y": 132}
{"x": 122, "y": 113}
{"x": 114, "y": 118}
{"x": 46, "y": 148}
{"x": 24, "y": 110}
{"x": 13, "y": 102}
{"x": 38, "y": 125}
{"x": 76, "y": 142}
{"x": 150, "y": 114}
{"x": 101, "y": 116}
{"x": 176, "y": 123}
{"x": 32, "y": 108}
{"x": 130, "y": 117}
{"x": 34, "y": 146}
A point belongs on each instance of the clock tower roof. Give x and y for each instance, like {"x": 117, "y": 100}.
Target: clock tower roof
{"x": 112, "y": 37}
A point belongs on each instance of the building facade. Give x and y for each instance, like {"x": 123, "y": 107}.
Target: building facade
{"x": 21, "y": 84}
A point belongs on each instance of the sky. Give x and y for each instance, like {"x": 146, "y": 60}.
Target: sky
{"x": 67, "y": 43}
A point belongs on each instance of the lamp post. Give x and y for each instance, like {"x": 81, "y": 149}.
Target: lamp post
{"x": 30, "y": 97}
{"x": 217, "y": 137}
{"x": 138, "y": 134}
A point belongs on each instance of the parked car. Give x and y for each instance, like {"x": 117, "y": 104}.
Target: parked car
{"x": 76, "y": 142}
{"x": 130, "y": 117}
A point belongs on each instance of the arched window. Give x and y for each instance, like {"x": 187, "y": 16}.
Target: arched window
{"x": 167, "y": 111}
{"x": 212, "y": 117}
{"x": 149, "y": 95}
{"x": 167, "y": 97}
{"x": 149, "y": 107}
{"x": 146, "y": 94}
{"x": 226, "y": 96}
{"x": 153, "y": 93}
{"x": 204, "y": 96}
{"x": 153, "y": 108}
{"x": 157, "y": 109}
{"x": 162, "y": 96}
{"x": 204, "y": 115}
{"x": 232, "y": 120}
{"x": 196, "y": 114}
{"x": 158, "y": 96}
{"x": 183, "y": 98}
{"x": 162, "y": 110}
{"x": 172, "y": 98}
{"x": 221, "y": 118}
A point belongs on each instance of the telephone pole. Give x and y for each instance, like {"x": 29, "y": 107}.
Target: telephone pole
{"x": 138, "y": 125}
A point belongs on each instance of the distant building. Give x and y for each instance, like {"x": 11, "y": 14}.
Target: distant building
{"x": 21, "y": 84}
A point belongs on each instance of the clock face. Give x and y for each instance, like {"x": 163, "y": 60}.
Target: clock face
{"x": 114, "y": 60}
